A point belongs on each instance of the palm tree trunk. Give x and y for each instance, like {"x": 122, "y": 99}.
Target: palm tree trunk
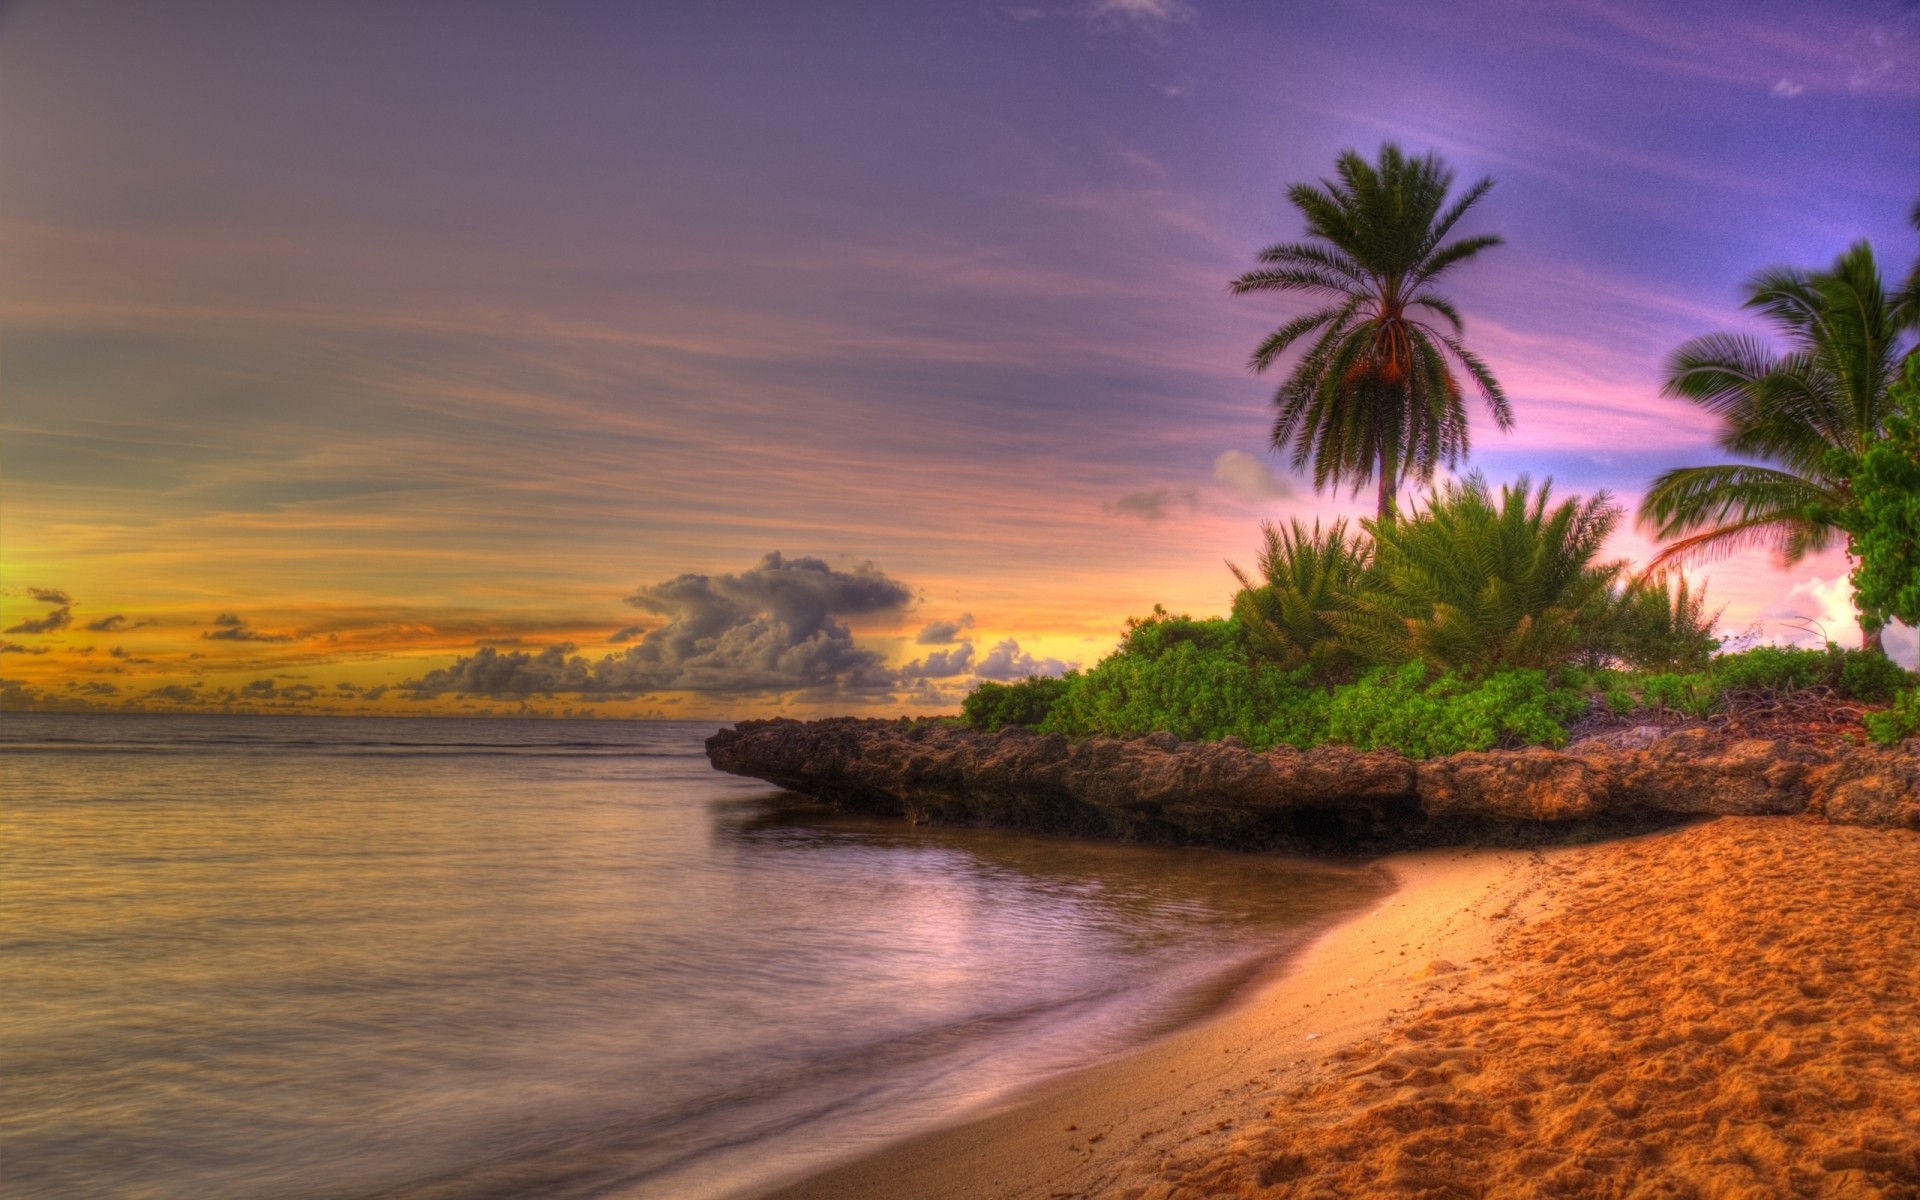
{"x": 1386, "y": 510}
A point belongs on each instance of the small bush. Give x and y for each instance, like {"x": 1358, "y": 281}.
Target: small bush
{"x": 1397, "y": 708}
{"x": 993, "y": 706}
{"x": 1693, "y": 695}
{"x": 1871, "y": 677}
{"x": 1659, "y": 623}
{"x": 1196, "y": 692}
{"x": 1898, "y": 723}
{"x": 1854, "y": 674}
{"x": 1775, "y": 668}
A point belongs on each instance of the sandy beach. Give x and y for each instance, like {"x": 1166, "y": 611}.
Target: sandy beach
{"x": 1728, "y": 1009}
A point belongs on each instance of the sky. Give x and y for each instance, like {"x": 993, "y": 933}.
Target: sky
{"x": 714, "y": 360}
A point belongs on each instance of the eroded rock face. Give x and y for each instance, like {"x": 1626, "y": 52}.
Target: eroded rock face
{"x": 1160, "y": 789}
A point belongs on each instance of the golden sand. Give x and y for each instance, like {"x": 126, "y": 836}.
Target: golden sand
{"x": 1729, "y": 1010}
{"x": 1726, "y": 1010}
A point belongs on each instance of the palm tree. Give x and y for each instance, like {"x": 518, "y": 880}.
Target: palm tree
{"x": 1808, "y": 414}
{"x": 1375, "y": 397}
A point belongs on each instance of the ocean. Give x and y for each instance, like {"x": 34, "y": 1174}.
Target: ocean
{"x": 305, "y": 958}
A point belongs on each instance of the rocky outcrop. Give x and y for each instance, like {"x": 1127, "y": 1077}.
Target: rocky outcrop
{"x": 1160, "y": 789}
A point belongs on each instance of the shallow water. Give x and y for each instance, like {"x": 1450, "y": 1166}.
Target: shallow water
{"x": 302, "y": 958}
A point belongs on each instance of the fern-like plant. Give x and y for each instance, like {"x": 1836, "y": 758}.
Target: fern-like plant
{"x": 1660, "y": 623}
{"x": 1306, "y": 577}
{"x": 1472, "y": 583}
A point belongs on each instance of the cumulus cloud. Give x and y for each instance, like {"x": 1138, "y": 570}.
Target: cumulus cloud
{"x": 941, "y": 664}
{"x": 174, "y": 693}
{"x": 1248, "y": 479}
{"x": 623, "y": 636}
{"x": 99, "y": 688}
{"x": 17, "y": 648}
{"x": 1007, "y": 662}
{"x": 772, "y": 628}
{"x": 53, "y": 622}
{"x": 50, "y": 596}
{"x": 231, "y": 627}
{"x": 1149, "y": 505}
{"x": 942, "y": 633}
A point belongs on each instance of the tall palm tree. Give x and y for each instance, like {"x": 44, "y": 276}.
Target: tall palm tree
{"x": 1375, "y": 396}
{"x": 1808, "y": 414}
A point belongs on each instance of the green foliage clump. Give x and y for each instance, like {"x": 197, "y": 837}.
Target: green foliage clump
{"x": 1197, "y": 692}
{"x": 1774, "y": 668}
{"x": 1854, "y": 674}
{"x": 1308, "y": 577}
{"x": 1873, "y": 677}
{"x": 1399, "y": 708}
{"x": 1898, "y": 723}
{"x": 993, "y": 706}
{"x": 1886, "y": 525}
{"x": 1659, "y": 623}
{"x": 1473, "y": 583}
{"x": 1692, "y": 694}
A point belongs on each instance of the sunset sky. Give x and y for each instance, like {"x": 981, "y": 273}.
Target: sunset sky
{"x": 721, "y": 359}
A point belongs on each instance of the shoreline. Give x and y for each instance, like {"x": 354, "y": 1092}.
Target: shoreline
{"x": 1089, "y": 1133}
{"x": 1726, "y": 1008}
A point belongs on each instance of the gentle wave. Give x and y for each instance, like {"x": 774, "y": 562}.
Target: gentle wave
{"x": 312, "y": 959}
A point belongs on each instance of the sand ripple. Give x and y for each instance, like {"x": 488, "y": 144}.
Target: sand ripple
{"x": 1731, "y": 1010}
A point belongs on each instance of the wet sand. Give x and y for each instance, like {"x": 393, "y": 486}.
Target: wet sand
{"x": 1726, "y": 1010}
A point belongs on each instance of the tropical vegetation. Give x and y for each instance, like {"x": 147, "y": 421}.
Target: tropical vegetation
{"x": 1804, "y": 418}
{"x": 1484, "y": 617}
{"x": 1375, "y": 396}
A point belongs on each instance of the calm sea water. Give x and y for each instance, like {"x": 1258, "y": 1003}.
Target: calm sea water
{"x": 301, "y": 958}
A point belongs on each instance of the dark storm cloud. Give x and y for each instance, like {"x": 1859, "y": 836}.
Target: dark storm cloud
{"x": 53, "y": 622}
{"x": 50, "y": 596}
{"x": 941, "y": 664}
{"x": 622, "y": 636}
{"x": 772, "y": 628}
{"x": 1007, "y": 662}
{"x": 231, "y": 627}
{"x": 941, "y": 633}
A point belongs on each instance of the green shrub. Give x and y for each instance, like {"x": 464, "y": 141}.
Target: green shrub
{"x": 1854, "y": 674}
{"x": 1472, "y": 584}
{"x": 1153, "y": 636}
{"x": 993, "y": 706}
{"x": 1775, "y": 668}
{"x": 1196, "y": 692}
{"x": 1898, "y": 723}
{"x": 1307, "y": 576}
{"x": 1398, "y": 708}
{"x": 1659, "y": 623}
{"x": 1871, "y": 677}
{"x": 1693, "y": 694}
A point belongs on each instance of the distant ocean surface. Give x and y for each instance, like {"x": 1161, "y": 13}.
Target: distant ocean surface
{"x": 339, "y": 958}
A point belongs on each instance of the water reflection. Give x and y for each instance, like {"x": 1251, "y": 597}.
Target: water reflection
{"x": 352, "y": 958}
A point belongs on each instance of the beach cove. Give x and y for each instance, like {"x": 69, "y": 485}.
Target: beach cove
{"x": 1724, "y": 1009}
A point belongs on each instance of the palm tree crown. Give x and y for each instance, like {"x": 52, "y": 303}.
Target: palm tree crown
{"x": 1375, "y": 396}
{"x": 1808, "y": 414}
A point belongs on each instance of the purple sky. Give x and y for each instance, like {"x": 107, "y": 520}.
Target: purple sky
{"x": 392, "y": 329}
